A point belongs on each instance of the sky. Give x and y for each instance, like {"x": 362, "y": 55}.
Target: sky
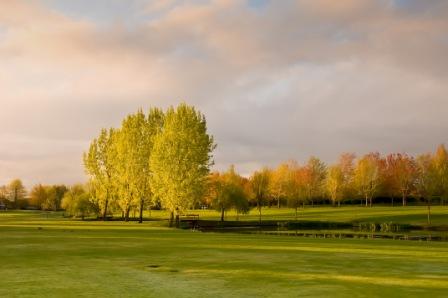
{"x": 276, "y": 80}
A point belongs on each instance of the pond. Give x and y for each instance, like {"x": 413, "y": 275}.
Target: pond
{"x": 332, "y": 230}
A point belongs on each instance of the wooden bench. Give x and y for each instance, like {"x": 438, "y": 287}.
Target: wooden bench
{"x": 190, "y": 219}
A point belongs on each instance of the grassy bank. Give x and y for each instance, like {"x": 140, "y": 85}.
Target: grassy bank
{"x": 415, "y": 215}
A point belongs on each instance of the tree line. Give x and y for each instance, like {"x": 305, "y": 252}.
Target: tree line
{"x": 363, "y": 180}
{"x": 162, "y": 159}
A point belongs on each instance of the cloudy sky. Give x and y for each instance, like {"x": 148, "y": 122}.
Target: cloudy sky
{"x": 276, "y": 79}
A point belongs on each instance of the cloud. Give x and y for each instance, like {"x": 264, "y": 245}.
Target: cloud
{"x": 276, "y": 80}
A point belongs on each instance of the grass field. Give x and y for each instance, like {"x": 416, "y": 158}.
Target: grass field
{"x": 45, "y": 255}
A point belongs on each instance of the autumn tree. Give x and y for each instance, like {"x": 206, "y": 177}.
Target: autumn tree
{"x": 334, "y": 184}
{"x": 181, "y": 159}
{"x": 278, "y": 183}
{"x": 426, "y": 181}
{"x": 440, "y": 161}
{"x": 38, "y": 195}
{"x": 346, "y": 163}
{"x": 3, "y": 195}
{"x": 16, "y": 192}
{"x": 296, "y": 192}
{"x": 367, "y": 176}
{"x": 314, "y": 177}
{"x": 54, "y": 195}
{"x": 400, "y": 174}
{"x": 260, "y": 187}
{"x": 228, "y": 192}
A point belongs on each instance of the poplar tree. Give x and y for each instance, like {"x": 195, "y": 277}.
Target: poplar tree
{"x": 99, "y": 163}
{"x": 134, "y": 146}
{"x": 181, "y": 159}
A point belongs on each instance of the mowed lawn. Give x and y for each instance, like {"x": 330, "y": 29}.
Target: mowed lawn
{"x": 44, "y": 255}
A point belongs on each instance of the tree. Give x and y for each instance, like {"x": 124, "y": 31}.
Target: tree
{"x": 426, "y": 182}
{"x": 99, "y": 164}
{"x": 335, "y": 184}
{"x": 278, "y": 182}
{"x": 296, "y": 191}
{"x": 53, "y": 200}
{"x": 314, "y": 177}
{"x": 134, "y": 146}
{"x": 4, "y": 195}
{"x": 367, "y": 176}
{"x": 339, "y": 180}
{"x": 441, "y": 169}
{"x": 38, "y": 196}
{"x": 260, "y": 187}
{"x": 16, "y": 192}
{"x": 76, "y": 202}
{"x": 400, "y": 174}
{"x": 181, "y": 159}
{"x": 346, "y": 163}
{"x": 228, "y": 192}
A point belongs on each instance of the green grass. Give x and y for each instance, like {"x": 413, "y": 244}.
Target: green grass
{"x": 416, "y": 215}
{"x": 44, "y": 255}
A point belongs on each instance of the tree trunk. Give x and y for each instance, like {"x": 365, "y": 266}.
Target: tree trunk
{"x": 392, "y": 201}
{"x": 296, "y": 213}
{"x": 429, "y": 211}
{"x": 259, "y": 213}
{"x": 171, "y": 218}
{"x": 222, "y": 214}
{"x": 15, "y": 199}
{"x": 339, "y": 203}
{"x": 367, "y": 200}
{"x": 142, "y": 201}
{"x": 404, "y": 199}
{"x": 177, "y": 220}
{"x": 105, "y": 210}
{"x": 126, "y": 215}
{"x": 278, "y": 203}
{"x": 370, "y": 202}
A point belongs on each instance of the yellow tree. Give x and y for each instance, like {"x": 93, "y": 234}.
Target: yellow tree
{"x": 134, "y": 145}
{"x": 260, "y": 187}
{"x": 314, "y": 177}
{"x": 441, "y": 169}
{"x": 181, "y": 159}
{"x": 99, "y": 164}
{"x": 16, "y": 191}
{"x": 278, "y": 182}
{"x": 296, "y": 191}
{"x": 227, "y": 191}
{"x": 367, "y": 176}
{"x": 38, "y": 195}
{"x": 335, "y": 184}
{"x": 426, "y": 182}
